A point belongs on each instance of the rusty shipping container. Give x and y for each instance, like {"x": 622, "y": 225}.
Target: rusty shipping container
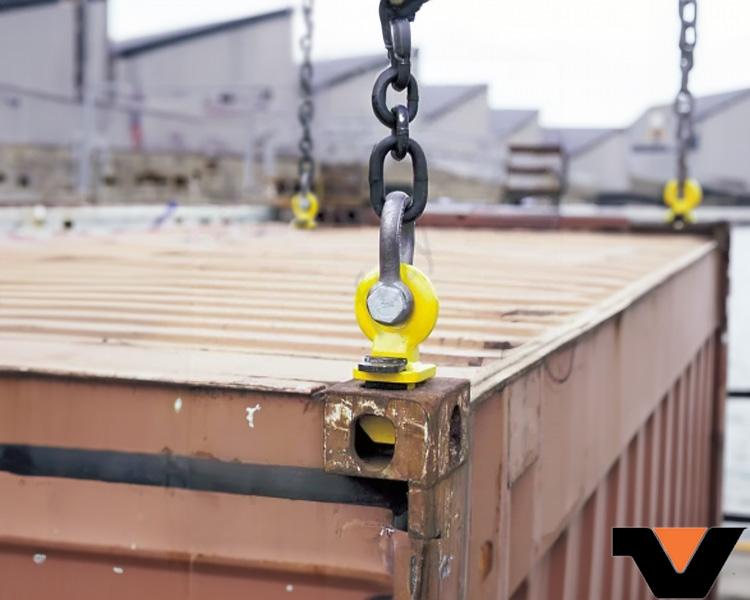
{"x": 176, "y": 421}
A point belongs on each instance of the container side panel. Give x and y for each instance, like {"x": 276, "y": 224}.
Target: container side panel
{"x": 181, "y": 540}
{"x": 252, "y": 427}
{"x": 627, "y": 437}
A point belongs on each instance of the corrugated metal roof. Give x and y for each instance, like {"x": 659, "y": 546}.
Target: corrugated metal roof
{"x": 438, "y": 100}
{"x": 140, "y": 45}
{"x": 575, "y": 141}
{"x": 330, "y": 73}
{"x": 506, "y": 122}
{"x": 268, "y": 307}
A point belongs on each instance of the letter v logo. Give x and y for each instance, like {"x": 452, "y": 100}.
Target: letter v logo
{"x": 680, "y": 562}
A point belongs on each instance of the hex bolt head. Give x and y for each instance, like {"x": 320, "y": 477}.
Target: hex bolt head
{"x": 389, "y": 304}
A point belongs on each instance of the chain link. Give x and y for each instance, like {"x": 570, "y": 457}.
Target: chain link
{"x": 684, "y": 104}
{"x": 395, "y": 18}
{"x": 307, "y": 107}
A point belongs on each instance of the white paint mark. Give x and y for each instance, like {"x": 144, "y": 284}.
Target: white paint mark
{"x": 250, "y": 415}
{"x": 445, "y": 566}
{"x": 133, "y": 546}
{"x": 39, "y": 559}
{"x": 178, "y": 405}
{"x": 387, "y": 531}
{"x": 118, "y": 570}
{"x": 289, "y": 587}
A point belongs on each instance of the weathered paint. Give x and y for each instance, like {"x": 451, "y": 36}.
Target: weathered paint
{"x": 606, "y": 409}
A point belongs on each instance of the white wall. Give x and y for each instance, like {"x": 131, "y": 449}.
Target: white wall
{"x": 185, "y": 80}
{"x": 723, "y": 155}
{"x": 529, "y": 133}
{"x": 37, "y": 71}
{"x": 37, "y": 48}
{"x": 460, "y": 140}
{"x": 32, "y": 118}
{"x": 97, "y": 42}
{"x": 650, "y": 157}
{"x": 603, "y": 168}
{"x": 345, "y": 127}
{"x": 189, "y": 74}
{"x": 720, "y": 159}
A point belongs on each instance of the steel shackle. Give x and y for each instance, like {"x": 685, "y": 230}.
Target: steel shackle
{"x": 390, "y": 302}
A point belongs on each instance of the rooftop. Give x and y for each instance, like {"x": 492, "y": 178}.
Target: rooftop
{"x": 439, "y": 100}
{"x": 330, "y": 73}
{"x": 576, "y": 141}
{"x": 712, "y": 104}
{"x": 506, "y": 122}
{"x": 135, "y": 46}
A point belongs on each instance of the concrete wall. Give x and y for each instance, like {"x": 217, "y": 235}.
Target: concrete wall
{"x": 49, "y": 174}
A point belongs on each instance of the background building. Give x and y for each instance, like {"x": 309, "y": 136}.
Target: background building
{"x": 719, "y": 158}
{"x": 595, "y": 160}
{"x": 210, "y": 113}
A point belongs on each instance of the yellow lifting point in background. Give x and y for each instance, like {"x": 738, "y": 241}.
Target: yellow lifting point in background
{"x": 682, "y": 207}
{"x": 379, "y": 429}
{"x": 305, "y": 210}
{"x": 399, "y": 341}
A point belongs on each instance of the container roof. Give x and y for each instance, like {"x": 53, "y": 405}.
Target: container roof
{"x": 264, "y": 307}
{"x": 133, "y": 47}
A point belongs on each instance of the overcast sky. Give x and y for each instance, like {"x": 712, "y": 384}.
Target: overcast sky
{"x": 582, "y": 62}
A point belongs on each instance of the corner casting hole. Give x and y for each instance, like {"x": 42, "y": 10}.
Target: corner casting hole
{"x": 374, "y": 440}
{"x": 454, "y": 437}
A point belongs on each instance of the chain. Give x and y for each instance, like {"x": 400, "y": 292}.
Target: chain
{"x": 684, "y": 104}
{"x": 395, "y": 18}
{"x": 307, "y": 106}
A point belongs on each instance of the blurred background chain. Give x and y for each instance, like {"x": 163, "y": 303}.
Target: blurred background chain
{"x": 307, "y": 106}
{"x": 684, "y": 105}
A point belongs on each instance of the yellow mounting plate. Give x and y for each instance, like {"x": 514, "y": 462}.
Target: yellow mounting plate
{"x": 682, "y": 206}
{"x": 305, "y": 212}
{"x": 401, "y": 341}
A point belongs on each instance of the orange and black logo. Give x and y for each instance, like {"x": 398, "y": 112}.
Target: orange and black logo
{"x": 677, "y": 562}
